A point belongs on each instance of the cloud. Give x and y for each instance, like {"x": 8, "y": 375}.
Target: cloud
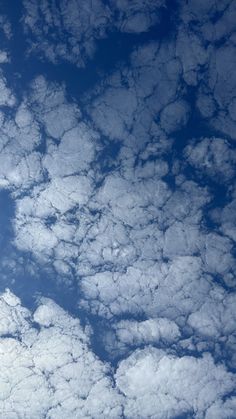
{"x": 68, "y": 30}
{"x": 6, "y": 27}
{"x": 96, "y": 229}
{"x": 214, "y": 157}
{"x": 4, "y": 57}
{"x": 225, "y": 217}
{"x": 129, "y": 104}
{"x": 159, "y": 384}
{"x": 118, "y": 199}
{"x": 136, "y": 17}
{"x": 206, "y": 47}
{"x": 7, "y": 97}
{"x": 47, "y": 368}
{"x": 218, "y": 409}
{"x": 126, "y": 335}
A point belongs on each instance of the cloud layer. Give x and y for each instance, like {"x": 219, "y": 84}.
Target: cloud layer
{"x": 124, "y": 197}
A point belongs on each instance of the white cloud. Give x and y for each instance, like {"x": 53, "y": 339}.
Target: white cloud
{"x": 68, "y": 30}
{"x": 221, "y": 409}
{"x": 168, "y": 290}
{"x": 206, "y": 47}
{"x": 47, "y": 369}
{"x": 134, "y": 239}
{"x": 162, "y": 385}
{"x": 7, "y": 98}
{"x": 138, "y": 16}
{"x": 212, "y": 156}
{"x": 6, "y": 27}
{"x": 225, "y": 218}
{"x": 130, "y": 101}
{"x": 126, "y": 335}
{"x": 174, "y": 116}
{"x": 19, "y": 161}
{"x": 4, "y": 57}
{"x": 74, "y": 153}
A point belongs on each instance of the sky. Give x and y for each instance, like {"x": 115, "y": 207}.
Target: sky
{"x": 118, "y": 209}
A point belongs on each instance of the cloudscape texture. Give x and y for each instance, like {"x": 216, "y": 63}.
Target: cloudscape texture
{"x": 118, "y": 209}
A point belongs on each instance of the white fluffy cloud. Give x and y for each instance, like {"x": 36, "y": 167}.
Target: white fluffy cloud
{"x": 206, "y": 46}
{"x": 126, "y": 335}
{"x": 6, "y": 96}
{"x": 47, "y": 368}
{"x": 97, "y": 229}
{"x": 213, "y": 157}
{"x": 161, "y": 385}
{"x": 106, "y": 204}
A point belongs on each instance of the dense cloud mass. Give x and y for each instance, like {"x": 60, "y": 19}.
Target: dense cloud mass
{"x": 117, "y": 210}
{"x": 48, "y": 370}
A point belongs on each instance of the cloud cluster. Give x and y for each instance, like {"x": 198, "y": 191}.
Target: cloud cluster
{"x": 68, "y": 29}
{"x": 134, "y": 243}
{"x": 159, "y": 385}
{"x": 207, "y": 48}
{"x": 122, "y": 197}
{"x": 48, "y": 370}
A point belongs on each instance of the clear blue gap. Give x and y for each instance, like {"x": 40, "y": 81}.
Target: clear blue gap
{"x": 31, "y": 286}
{"x": 7, "y": 212}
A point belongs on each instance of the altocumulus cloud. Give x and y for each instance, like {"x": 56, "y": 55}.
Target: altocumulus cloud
{"x": 123, "y": 220}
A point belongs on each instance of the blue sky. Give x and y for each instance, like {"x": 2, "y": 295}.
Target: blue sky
{"x": 117, "y": 209}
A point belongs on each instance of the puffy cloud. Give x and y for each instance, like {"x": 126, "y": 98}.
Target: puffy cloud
{"x": 52, "y": 163}
{"x": 103, "y": 203}
{"x": 20, "y": 160}
{"x": 179, "y": 292}
{"x": 221, "y": 409}
{"x": 13, "y": 315}
{"x": 206, "y": 47}
{"x": 102, "y": 236}
{"x": 174, "y": 116}
{"x": 74, "y": 153}
{"x": 213, "y": 320}
{"x": 218, "y": 255}
{"x": 7, "y": 97}
{"x": 225, "y": 218}
{"x": 47, "y": 368}
{"x": 51, "y": 108}
{"x": 138, "y": 16}
{"x": 127, "y": 106}
{"x": 68, "y": 30}
{"x": 4, "y": 57}
{"x": 161, "y": 385}
{"x": 214, "y": 157}
{"x": 126, "y": 335}
{"x": 6, "y": 27}
{"x": 168, "y": 290}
